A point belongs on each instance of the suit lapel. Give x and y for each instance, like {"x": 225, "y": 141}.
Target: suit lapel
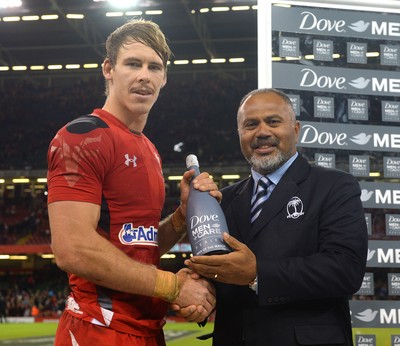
{"x": 241, "y": 211}
{"x": 281, "y": 195}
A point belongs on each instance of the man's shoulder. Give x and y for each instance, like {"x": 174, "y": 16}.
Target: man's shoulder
{"x": 85, "y": 124}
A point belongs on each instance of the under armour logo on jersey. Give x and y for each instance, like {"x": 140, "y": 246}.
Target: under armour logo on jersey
{"x": 129, "y": 160}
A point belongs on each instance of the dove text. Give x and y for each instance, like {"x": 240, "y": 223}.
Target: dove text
{"x": 310, "y": 21}
{"x": 310, "y": 79}
{"x": 311, "y": 135}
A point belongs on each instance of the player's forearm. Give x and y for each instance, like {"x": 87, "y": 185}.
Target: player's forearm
{"x": 171, "y": 230}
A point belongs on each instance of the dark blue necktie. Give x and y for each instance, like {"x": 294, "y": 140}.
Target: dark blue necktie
{"x": 260, "y": 197}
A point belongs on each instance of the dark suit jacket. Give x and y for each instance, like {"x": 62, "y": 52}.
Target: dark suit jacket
{"x": 310, "y": 241}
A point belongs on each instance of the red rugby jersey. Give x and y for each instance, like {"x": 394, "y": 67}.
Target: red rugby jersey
{"x": 97, "y": 159}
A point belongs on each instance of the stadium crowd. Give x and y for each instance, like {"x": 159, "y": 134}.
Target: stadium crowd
{"x": 195, "y": 117}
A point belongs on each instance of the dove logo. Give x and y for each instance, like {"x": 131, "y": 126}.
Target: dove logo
{"x": 361, "y": 139}
{"x": 311, "y": 79}
{"x": 359, "y": 26}
{"x": 370, "y": 254}
{"x": 312, "y": 135}
{"x": 367, "y": 315}
{"x": 360, "y": 83}
{"x": 366, "y": 195}
{"x": 310, "y": 21}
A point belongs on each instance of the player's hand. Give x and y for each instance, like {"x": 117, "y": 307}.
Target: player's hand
{"x": 203, "y": 182}
{"x": 196, "y": 298}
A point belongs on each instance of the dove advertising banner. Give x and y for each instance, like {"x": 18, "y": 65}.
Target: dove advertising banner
{"x": 349, "y": 137}
{"x": 330, "y": 22}
{"x": 375, "y": 314}
{"x": 336, "y": 79}
{"x": 380, "y": 195}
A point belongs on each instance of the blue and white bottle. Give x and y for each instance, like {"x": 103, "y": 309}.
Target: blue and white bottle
{"x": 205, "y": 219}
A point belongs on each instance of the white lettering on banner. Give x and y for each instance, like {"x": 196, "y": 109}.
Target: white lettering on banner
{"x": 387, "y": 140}
{"x": 385, "y": 28}
{"x": 394, "y": 219}
{"x": 286, "y": 41}
{"x": 310, "y": 79}
{"x": 392, "y": 317}
{"x": 359, "y": 160}
{"x": 387, "y": 197}
{"x": 385, "y": 84}
{"x": 310, "y": 21}
{"x": 390, "y": 256}
{"x": 311, "y": 135}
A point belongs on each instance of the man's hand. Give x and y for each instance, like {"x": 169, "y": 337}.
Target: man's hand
{"x": 196, "y": 298}
{"x": 202, "y": 182}
{"x": 238, "y": 267}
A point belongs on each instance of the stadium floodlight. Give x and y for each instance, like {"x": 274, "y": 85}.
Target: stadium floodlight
{"x": 218, "y": 60}
{"x": 91, "y": 65}
{"x": 19, "y": 68}
{"x": 114, "y": 14}
{"x": 153, "y": 12}
{"x": 10, "y": 3}
{"x": 230, "y": 176}
{"x": 174, "y": 177}
{"x": 72, "y": 66}
{"x": 11, "y": 19}
{"x": 30, "y": 18}
{"x": 54, "y": 67}
{"x": 240, "y": 8}
{"x": 49, "y": 16}
{"x": 181, "y": 62}
{"x": 4, "y": 68}
{"x": 204, "y": 10}
{"x": 235, "y": 60}
{"x": 199, "y": 61}
{"x": 133, "y": 13}
{"x": 75, "y": 16}
{"x": 37, "y": 68}
{"x": 21, "y": 180}
{"x": 122, "y": 3}
{"x": 2, "y": 181}
{"x": 219, "y": 9}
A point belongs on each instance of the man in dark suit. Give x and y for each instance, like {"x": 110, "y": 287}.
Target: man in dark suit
{"x": 288, "y": 279}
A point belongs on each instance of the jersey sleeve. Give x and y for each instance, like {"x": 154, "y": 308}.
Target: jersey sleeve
{"x": 78, "y": 158}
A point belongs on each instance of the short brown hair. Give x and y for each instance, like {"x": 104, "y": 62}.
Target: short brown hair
{"x": 140, "y": 30}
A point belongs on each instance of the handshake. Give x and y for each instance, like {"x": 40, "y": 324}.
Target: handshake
{"x": 190, "y": 295}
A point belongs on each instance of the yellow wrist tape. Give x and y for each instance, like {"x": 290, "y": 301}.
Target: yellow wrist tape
{"x": 166, "y": 287}
{"x": 178, "y": 221}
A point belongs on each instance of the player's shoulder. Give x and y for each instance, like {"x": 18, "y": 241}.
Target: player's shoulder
{"x": 85, "y": 124}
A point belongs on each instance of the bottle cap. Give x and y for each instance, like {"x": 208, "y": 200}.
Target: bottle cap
{"x": 191, "y": 160}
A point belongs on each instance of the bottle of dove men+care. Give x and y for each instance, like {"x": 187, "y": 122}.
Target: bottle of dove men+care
{"x": 205, "y": 219}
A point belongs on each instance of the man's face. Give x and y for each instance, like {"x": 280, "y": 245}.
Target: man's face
{"x": 267, "y": 132}
{"x": 135, "y": 79}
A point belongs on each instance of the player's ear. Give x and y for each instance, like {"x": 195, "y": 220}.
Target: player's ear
{"x": 107, "y": 69}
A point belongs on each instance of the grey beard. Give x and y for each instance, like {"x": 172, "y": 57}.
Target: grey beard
{"x": 268, "y": 164}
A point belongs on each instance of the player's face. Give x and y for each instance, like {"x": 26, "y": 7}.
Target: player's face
{"x": 268, "y": 134}
{"x": 136, "y": 78}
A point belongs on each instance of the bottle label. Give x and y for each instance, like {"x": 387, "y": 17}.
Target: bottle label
{"x": 206, "y": 234}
